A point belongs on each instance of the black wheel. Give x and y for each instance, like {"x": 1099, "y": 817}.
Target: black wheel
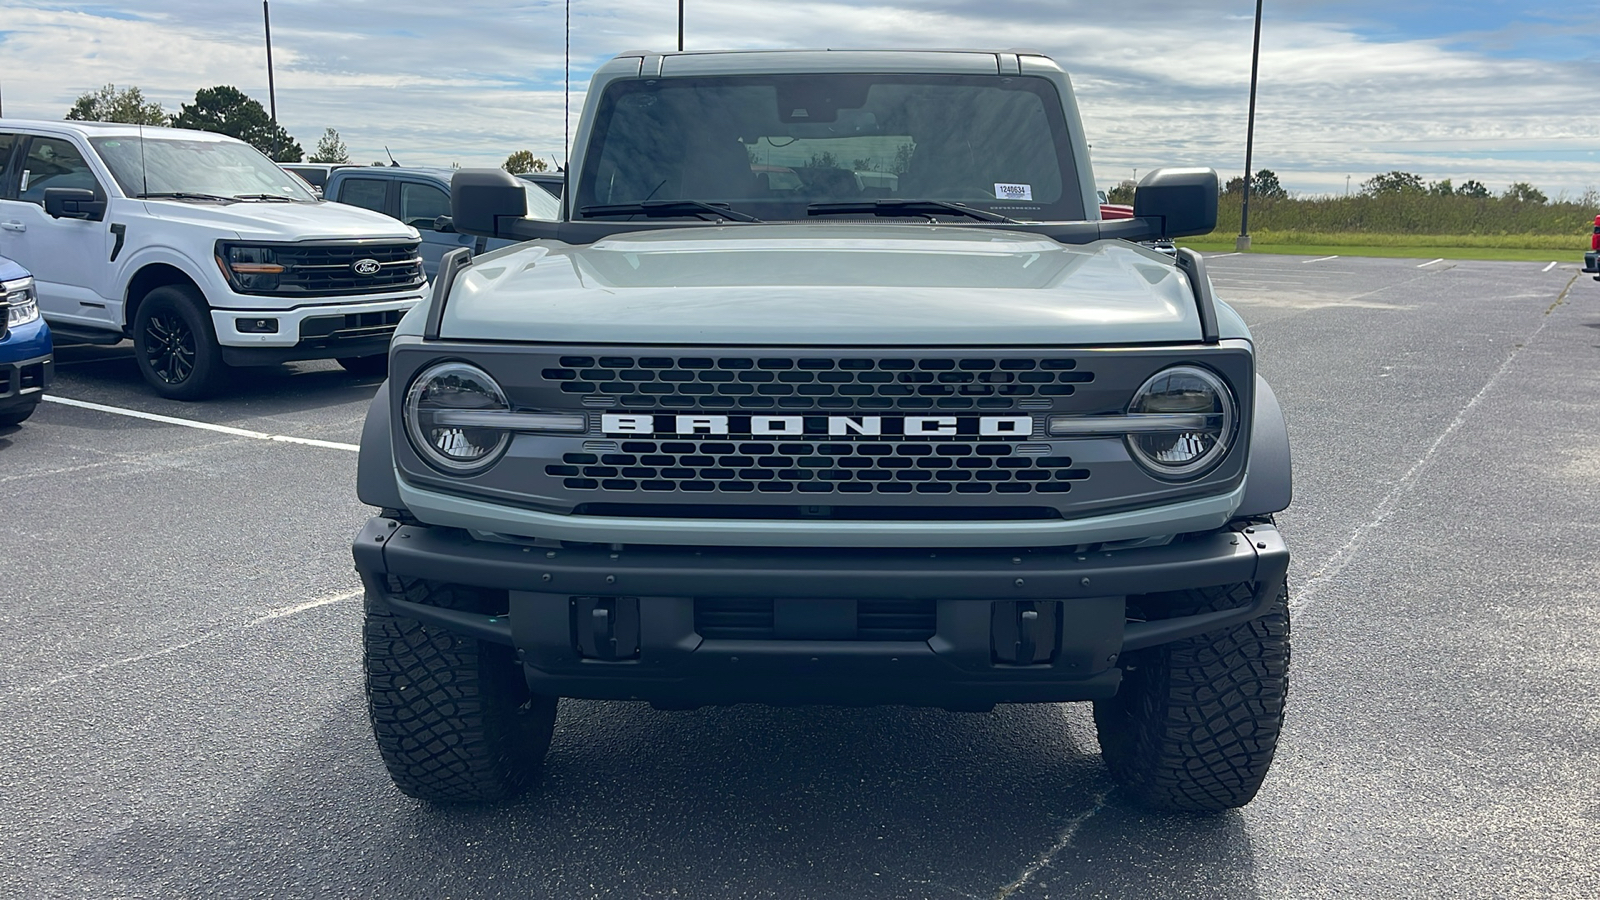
{"x": 1195, "y": 723}
{"x": 176, "y": 346}
{"x": 453, "y": 716}
{"x": 366, "y": 366}
{"x": 16, "y": 415}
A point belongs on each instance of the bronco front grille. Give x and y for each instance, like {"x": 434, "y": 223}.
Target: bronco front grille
{"x": 817, "y": 467}
{"x": 817, "y": 382}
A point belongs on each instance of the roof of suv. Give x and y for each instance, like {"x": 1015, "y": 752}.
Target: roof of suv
{"x": 110, "y": 129}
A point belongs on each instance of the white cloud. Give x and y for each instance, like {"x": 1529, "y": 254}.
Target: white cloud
{"x": 1161, "y": 83}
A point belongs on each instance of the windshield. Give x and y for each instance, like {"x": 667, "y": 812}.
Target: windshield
{"x": 773, "y": 145}
{"x": 173, "y": 165}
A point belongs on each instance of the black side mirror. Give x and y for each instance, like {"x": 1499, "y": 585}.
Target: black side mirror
{"x": 444, "y": 225}
{"x": 480, "y": 198}
{"x": 1184, "y": 199}
{"x": 74, "y": 203}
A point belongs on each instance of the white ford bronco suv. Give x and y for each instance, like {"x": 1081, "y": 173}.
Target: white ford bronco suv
{"x": 830, "y": 386}
{"x": 200, "y": 249}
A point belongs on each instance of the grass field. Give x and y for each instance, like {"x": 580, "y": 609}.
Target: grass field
{"x": 1517, "y": 247}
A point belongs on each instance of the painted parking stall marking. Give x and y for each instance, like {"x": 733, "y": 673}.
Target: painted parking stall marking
{"x": 202, "y": 426}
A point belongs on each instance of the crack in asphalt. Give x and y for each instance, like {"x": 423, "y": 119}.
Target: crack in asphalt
{"x": 1062, "y": 842}
{"x": 281, "y": 612}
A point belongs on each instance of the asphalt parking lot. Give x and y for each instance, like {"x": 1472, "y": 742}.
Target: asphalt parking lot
{"x": 184, "y": 713}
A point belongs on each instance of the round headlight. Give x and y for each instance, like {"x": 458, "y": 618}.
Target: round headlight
{"x": 1188, "y": 394}
{"x": 456, "y": 449}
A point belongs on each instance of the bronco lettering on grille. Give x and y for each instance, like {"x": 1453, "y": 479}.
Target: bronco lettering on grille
{"x": 835, "y": 426}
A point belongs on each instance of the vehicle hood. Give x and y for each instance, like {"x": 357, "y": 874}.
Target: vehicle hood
{"x": 268, "y": 221}
{"x": 11, "y": 271}
{"x": 836, "y": 284}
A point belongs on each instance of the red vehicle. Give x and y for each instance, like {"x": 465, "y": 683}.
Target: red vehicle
{"x": 1591, "y": 260}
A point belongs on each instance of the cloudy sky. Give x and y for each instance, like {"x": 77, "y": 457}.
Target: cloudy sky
{"x": 1497, "y": 90}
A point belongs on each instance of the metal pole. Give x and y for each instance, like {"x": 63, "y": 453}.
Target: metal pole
{"x": 680, "y": 26}
{"x": 272, "y": 91}
{"x": 1243, "y": 243}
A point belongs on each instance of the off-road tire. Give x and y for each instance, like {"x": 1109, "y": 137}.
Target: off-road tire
{"x": 453, "y": 717}
{"x": 366, "y": 366}
{"x": 18, "y": 414}
{"x": 1195, "y": 724}
{"x": 176, "y": 346}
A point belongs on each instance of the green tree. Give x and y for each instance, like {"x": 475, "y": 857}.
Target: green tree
{"x": 1523, "y": 192}
{"x": 111, "y": 105}
{"x": 523, "y": 161}
{"x": 330, "y": 149}
{"x": 1123, "y": 192}
{"x": 1473, "y": 188}
{"x": 1392, "y": 183}
{"x": 227, "y": 110}
{"x": 1266, "y": 186}
{"x": 1442, "y": 188}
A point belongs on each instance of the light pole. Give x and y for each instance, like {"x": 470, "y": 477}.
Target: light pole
{"x": 1243, "y": 243}
{"x": 680, "y": 26}
{"x": 272, "y": 91}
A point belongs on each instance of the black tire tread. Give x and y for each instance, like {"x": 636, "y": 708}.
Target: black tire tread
{"x": 1196, "y": 722}
{"x": 452, "y": 715}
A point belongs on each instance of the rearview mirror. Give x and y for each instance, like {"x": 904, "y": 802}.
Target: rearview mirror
{"x": 73, "y": 203}
{"x": 1185, "y": 200}
{"x": 480, "y": 198}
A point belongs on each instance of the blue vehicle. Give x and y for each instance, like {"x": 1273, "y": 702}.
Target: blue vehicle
{"x": 420, "y": 197}
{"x": 26, "y": 364}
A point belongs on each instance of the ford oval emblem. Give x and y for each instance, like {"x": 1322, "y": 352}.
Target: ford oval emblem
{"x": 368, "y": 267}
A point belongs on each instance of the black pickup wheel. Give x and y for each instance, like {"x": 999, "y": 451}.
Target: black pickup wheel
{"x": 453, "y": 716}
{"x": 176, "y": 346}
{"x": 1196, "y": 722}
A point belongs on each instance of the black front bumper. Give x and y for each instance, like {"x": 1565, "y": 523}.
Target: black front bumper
{"x": 652, "y": 595}
{"x": 24, "y": 381}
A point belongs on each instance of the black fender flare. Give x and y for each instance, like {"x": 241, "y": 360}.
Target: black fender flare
{"x": 375, "y": 466}
{"x": 1269, "y": 479}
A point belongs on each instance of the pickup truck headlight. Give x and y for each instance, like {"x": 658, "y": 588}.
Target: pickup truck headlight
{"x": 1201, "y": 412}
{"x": 455, "y": 387}
{"x": 249, "y": 268}
{"x": 22, "y": 305}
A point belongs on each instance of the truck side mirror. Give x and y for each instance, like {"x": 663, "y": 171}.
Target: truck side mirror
{"x": 480, "y": 198}
{"x": 74, "y": 203}
{"x": 1184, "y": 199}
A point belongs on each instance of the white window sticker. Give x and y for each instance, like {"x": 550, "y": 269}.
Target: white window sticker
{"x": 1013, "y": 191}
{"x": 25, "y": 174}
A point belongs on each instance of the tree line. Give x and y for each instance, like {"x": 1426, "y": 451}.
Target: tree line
{"x": 223, "y": 109}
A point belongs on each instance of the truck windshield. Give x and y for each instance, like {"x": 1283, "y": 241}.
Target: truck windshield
{"x": 785, "y": 146}
{"x": 220, "y": 169}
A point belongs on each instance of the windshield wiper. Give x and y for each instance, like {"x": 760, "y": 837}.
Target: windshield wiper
{"x": 904, "y": 208}
{"x": 278, "y": 197}
{"x": 668, "y": 208}
{"x": 181, "y": 195}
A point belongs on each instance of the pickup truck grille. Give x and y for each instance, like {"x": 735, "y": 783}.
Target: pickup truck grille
{"x": 818, "y": 382}
{"x": 329, "y": 269}
{"x": 818, "y": 467}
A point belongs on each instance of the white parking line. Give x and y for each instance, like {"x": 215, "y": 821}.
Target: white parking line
{"x": 203, "y": 426}
{"x": 1221, "y": 255}
{"x": 1318, "y": 259}
{"x": 1549, "y": 267}
{"x": 1431, "y": 262}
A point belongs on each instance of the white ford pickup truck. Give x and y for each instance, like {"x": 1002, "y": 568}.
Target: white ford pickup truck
{"x": 199, "y": 249}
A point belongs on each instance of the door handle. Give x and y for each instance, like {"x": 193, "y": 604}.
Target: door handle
{"x": 13, "y": 226}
